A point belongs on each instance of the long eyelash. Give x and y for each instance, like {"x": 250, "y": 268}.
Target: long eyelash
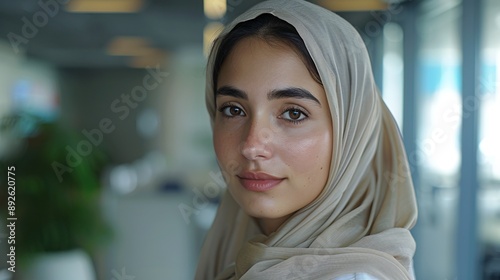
{"x": 223, "y": 107}
{"x": 298, "y": 109}
{"x": 221, "y": 111}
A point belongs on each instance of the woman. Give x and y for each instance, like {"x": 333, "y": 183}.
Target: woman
{"x": 318, "y": 181}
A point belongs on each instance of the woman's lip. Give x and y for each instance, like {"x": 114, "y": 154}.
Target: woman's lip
{"x": 259, "y": 185}
{"x": 257, "y": 176}
{"x": 258, "y": 181}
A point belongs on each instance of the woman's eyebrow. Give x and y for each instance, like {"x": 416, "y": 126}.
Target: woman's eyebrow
{"x": 292, "y": 92}
{"x": 231, "y": 91}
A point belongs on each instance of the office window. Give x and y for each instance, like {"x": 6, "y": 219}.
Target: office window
{"x": 488, "y": 102}
{"x": 438, "y": 136}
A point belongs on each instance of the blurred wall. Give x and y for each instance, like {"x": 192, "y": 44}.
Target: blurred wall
{"x": 91, "y": 96}
{"x": 152, "y": 239}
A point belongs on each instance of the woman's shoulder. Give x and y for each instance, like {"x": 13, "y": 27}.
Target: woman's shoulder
{"x": 356, "y": 276}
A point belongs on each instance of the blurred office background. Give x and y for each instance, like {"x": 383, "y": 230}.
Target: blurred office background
{"x": 102, "y": 114}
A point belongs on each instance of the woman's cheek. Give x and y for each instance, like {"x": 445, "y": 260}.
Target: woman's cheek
{"x": 303, "y": 147}
{"x": 303, "y": 156}
{"x": 226, "y": 149}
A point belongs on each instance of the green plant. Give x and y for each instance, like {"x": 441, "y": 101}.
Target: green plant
{"x": 53, "y": 213}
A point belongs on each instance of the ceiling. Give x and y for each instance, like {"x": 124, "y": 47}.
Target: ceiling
{"x": 68, "y": 39}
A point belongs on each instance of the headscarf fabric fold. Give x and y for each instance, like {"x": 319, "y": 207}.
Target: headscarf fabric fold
{"x": 360, "y": 222}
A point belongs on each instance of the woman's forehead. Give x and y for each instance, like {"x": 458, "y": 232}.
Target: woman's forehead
{"x": 254, "y": 63}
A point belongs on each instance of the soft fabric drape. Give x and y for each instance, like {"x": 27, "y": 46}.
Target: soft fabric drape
{"x": 360, "y": 222}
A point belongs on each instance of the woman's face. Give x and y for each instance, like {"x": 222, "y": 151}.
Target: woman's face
{"x": 272, "y": 132}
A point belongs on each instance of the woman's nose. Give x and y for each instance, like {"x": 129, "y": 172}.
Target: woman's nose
{"x": 257, "y": 144}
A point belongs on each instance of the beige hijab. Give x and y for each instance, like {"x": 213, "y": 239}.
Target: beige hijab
{"x": 361, "y": 220}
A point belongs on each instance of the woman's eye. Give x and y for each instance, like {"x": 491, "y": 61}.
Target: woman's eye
{"x": 294, "y": 115}
{"x": 232, "y": 111}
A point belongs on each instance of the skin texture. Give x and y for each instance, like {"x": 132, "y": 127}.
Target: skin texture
{"x": 261, "y": 126}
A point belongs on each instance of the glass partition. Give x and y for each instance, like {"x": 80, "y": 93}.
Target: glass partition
{"x": 392, "y": 83}
{"x": 438, "y": 136}
{"x": 489, "y": 141}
